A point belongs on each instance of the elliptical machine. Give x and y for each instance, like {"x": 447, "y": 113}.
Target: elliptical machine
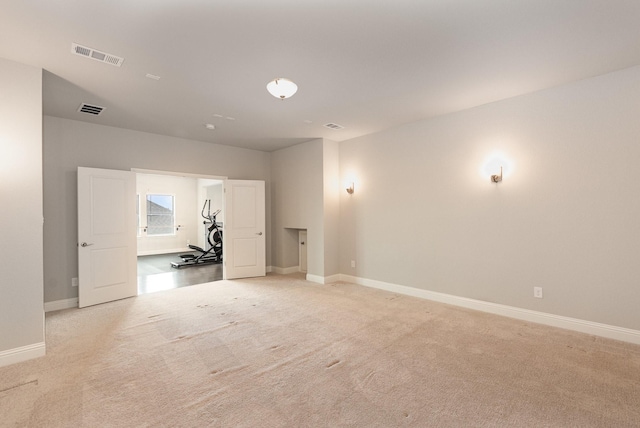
{"x": 214, "y": 236}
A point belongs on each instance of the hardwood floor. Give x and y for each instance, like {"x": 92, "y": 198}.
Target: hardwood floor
{"x": 156, "y": 274}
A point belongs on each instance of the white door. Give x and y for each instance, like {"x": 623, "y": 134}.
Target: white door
{"x": 243, "y": 239}
{"x": 107, "y": 262}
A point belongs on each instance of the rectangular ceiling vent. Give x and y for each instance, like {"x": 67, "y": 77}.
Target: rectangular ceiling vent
{"x": 90, "y": 109}
{"x": 333, "y": 126}
{"x": 96, "y": 55}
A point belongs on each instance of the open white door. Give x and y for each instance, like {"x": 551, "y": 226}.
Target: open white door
{"x": 107, "y": 262}
{"x": 244, "y": 248}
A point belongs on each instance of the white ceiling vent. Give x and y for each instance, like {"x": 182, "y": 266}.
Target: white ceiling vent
{"x": 333, "y": 126}
{"x": 90, "y": 109}
{"x": 96, "y": 55}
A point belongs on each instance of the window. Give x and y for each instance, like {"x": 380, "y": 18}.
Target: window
{"x": 160, "y": 215}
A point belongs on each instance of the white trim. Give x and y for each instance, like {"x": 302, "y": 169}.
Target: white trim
{"x": 332, "y": 278}
{"x": 324, "y": 279}
{"x": 58, "y": 305}
{"x": 24, "y": 353}
{"x": 285, "y": 271}
{"x": 315, "y": 278}
{"x": 269, "y": 269}
{"x": 178, "y": 174}
{"x": 582, "y": 326}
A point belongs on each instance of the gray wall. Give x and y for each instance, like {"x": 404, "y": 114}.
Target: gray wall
{"x": 305, "y": 195}
{"x": 331, "y": 210}
{"x": 566, "y": 217}
{"x": 297, "y": 196}
{"x": 21, "y": 309}
{"x": 69, "y": 144}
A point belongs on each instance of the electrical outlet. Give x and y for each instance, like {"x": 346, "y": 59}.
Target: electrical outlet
{"x": 188, "y": 242}
{"x": 74, "y": 282}
{"x": 353, "y": 263}
{"x": 537, "y": 292}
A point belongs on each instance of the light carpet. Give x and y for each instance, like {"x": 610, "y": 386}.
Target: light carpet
{"x": 283, "y": 352}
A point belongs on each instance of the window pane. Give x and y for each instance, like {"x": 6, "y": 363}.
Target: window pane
{"x": 159, "y": 204}
{"x": 160, "y": 219}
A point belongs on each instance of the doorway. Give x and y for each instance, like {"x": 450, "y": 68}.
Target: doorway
{"x": 170, "y": 219}
{"x": 107, "y": 228}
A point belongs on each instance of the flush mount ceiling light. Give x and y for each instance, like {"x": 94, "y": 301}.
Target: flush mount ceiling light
{"x": 282, "y": 88}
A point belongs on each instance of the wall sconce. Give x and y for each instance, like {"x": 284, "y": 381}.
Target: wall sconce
{"x": 495, "y": 178}
{"x": 350, "y": 189}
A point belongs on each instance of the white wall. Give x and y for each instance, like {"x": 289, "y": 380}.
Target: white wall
{"x": 69, "y": 144}
{"x": 186, "y": 211}
{"x": 21, "y": 300}
{"x": 566, "y": 218}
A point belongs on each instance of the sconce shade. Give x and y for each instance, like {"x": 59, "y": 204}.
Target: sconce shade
{"x": 282, "y": 88}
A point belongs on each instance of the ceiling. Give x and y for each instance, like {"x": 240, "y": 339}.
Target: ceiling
{"x": 366, "y": 65}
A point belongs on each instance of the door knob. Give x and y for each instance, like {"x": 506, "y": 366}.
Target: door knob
{"x": 84, "y": 244}
{"x": 259, "y": 233}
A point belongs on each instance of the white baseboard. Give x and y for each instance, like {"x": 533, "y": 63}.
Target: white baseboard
{"x": 332, "y": 278}
{"x": 315, "y": 278}
{"x": 285, "y": 271}
{"x": 574, "y": 324}
{"x": 24, "y": 353}
{"x": 57, "y": 305}
{"x": 324, "y": 279}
